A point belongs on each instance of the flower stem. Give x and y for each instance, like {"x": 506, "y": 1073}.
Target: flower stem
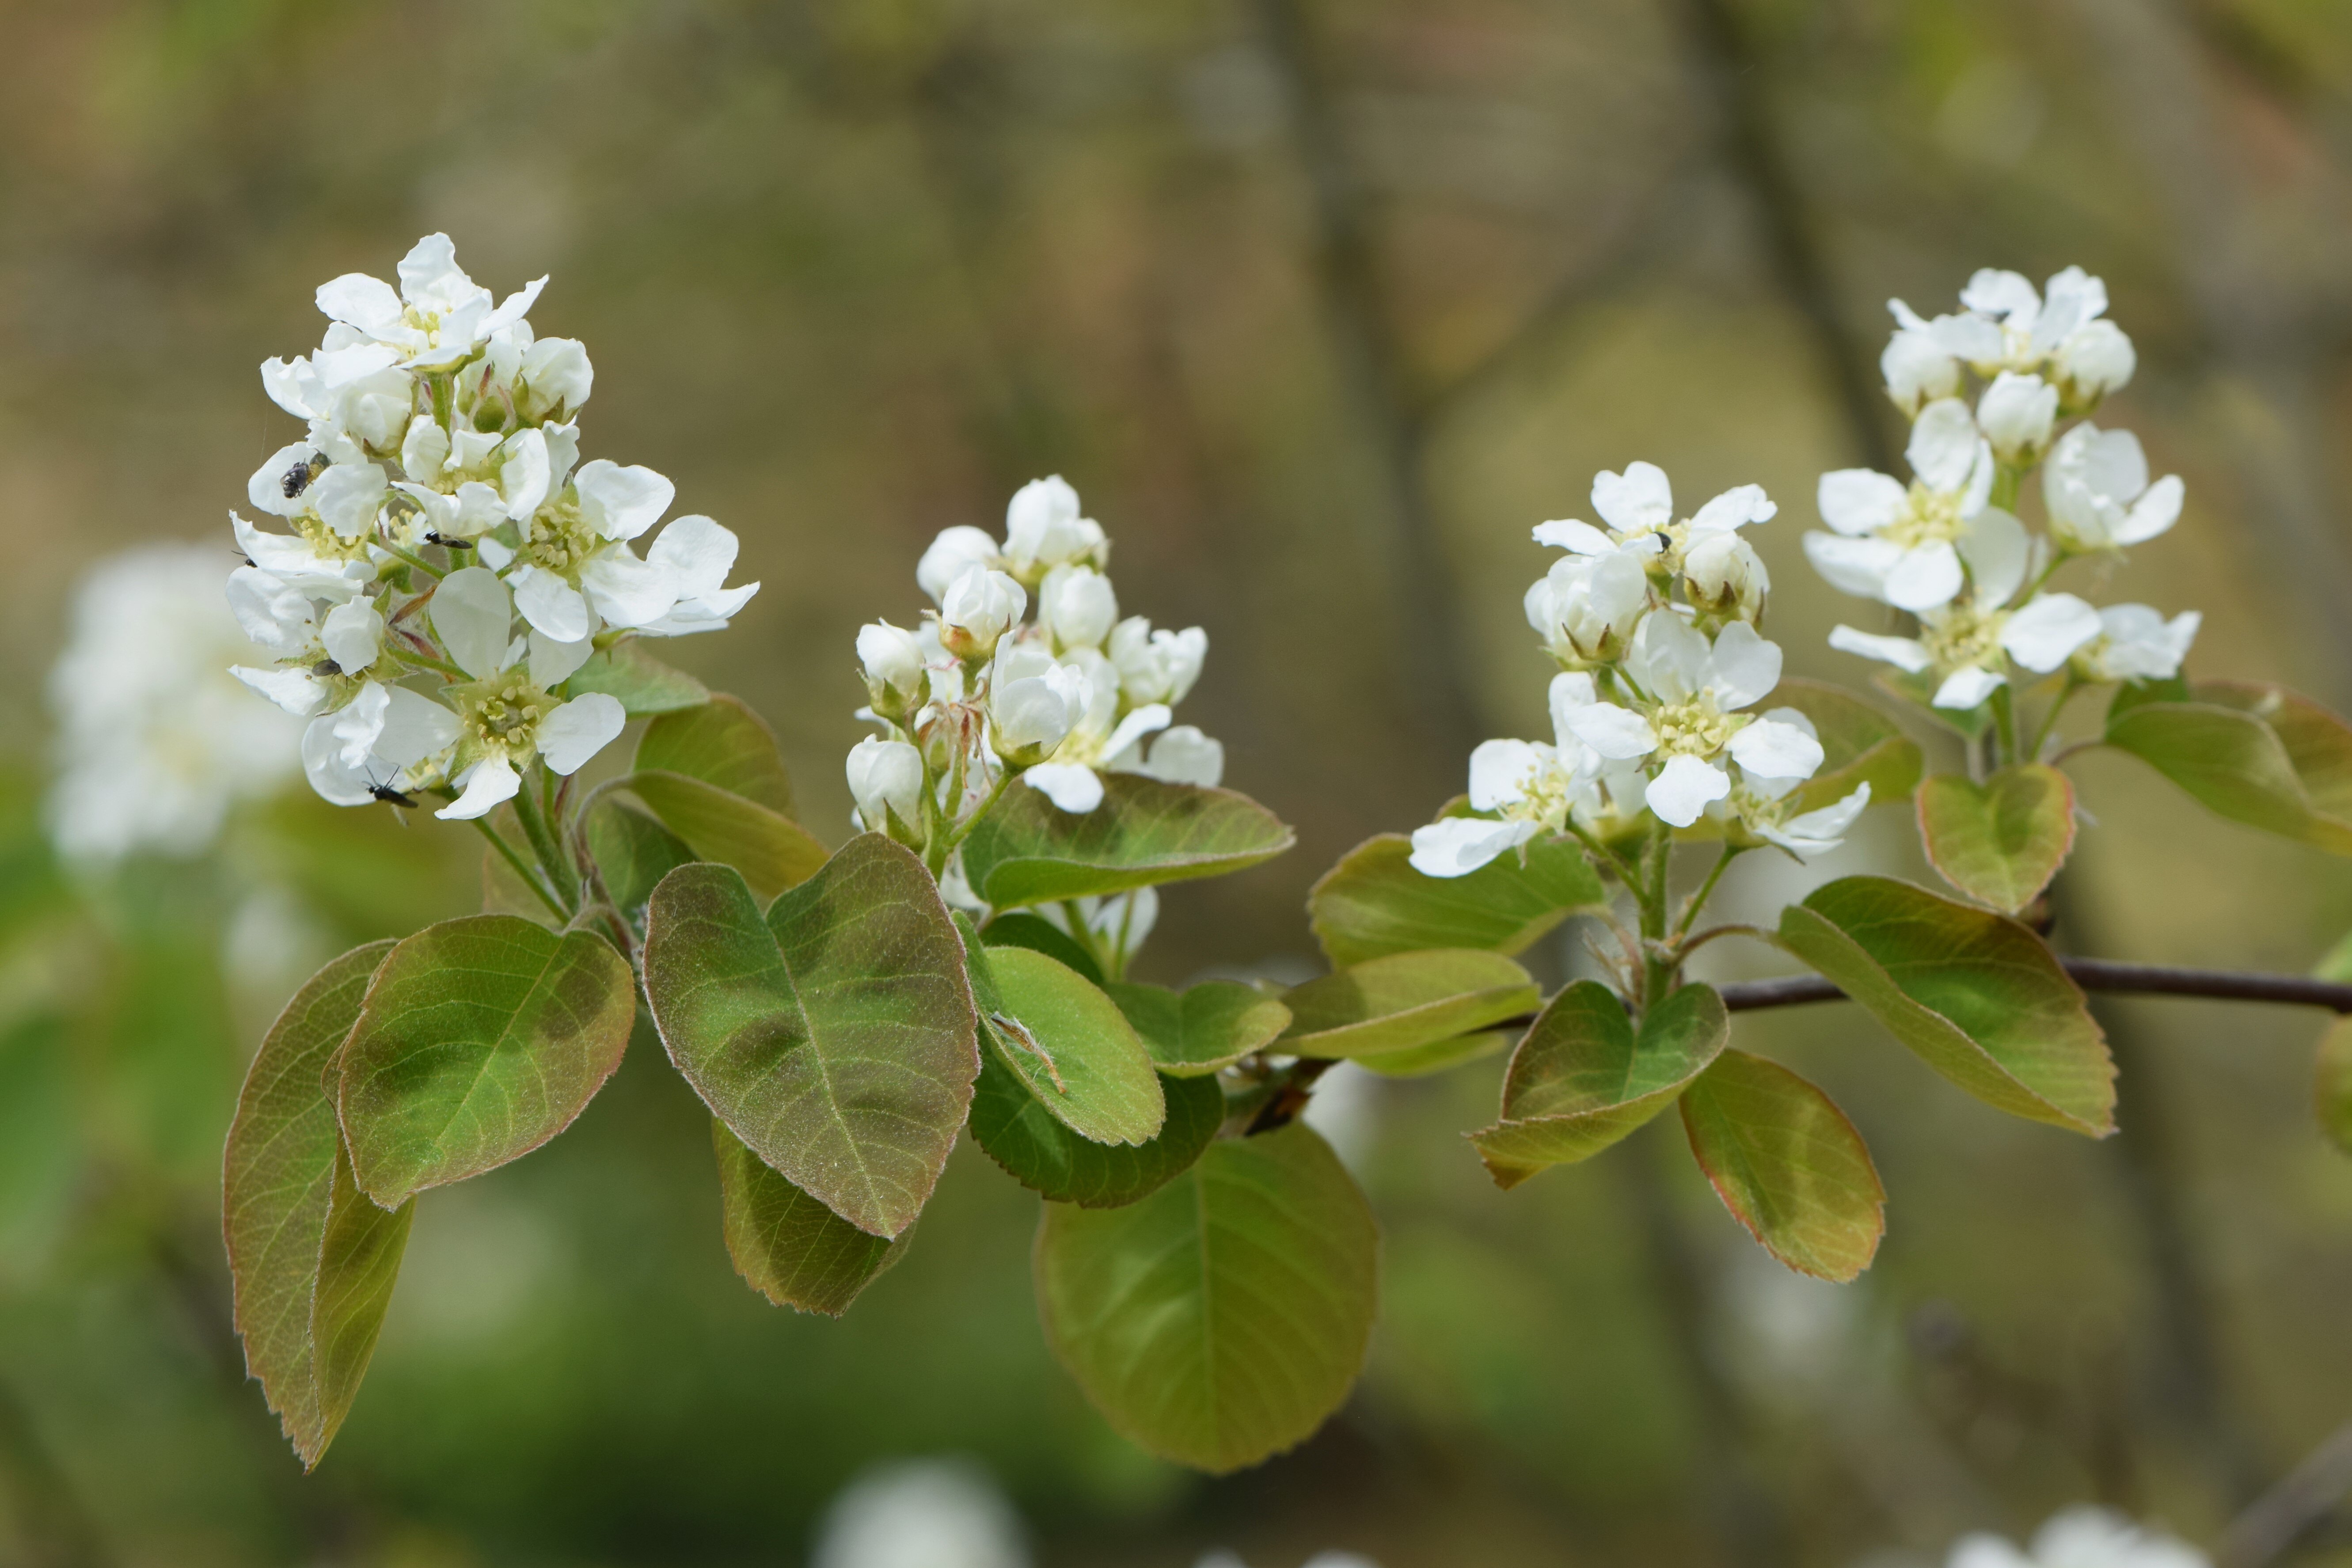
{"x": 2049, "y": 719}
{"x": 543, "y": 842}
{"x": 412, "y": 558}
{"x": 522, "y": 868}
{"x": 1698, "y": 899}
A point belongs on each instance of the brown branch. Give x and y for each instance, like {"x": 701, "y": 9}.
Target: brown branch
{"x": 2281, "y": 1516}
{"x": 2091, "y": 974}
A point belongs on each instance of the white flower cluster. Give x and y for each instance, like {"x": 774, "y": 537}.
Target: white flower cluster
{"x": 2083, "y": 1537}
{"x": 980, "y": 687}
{"x": 154, "y": 741}
{"x": 1949, "y": 547}
{"x": 440, "y": 425}
{"x": 1647, "y": 708}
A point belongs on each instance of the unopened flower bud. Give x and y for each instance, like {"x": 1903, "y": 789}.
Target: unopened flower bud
{"x": 1586, "y": 607}
{"x": 1077, "y": 607}
{"x": 1043, "y": 529}
{"x": 895, "y": 673}
{"x": 1030, "y": 714}
{"x": 2095, "y": 359}
{"x": 886, "y": 779}
{"x": 1919, "y": 370}
{"x": 955, "y": 552}
{"x": 2017, "y": 415}
{"x": 979, "y": 607}
{"x": 1723, "y": 575}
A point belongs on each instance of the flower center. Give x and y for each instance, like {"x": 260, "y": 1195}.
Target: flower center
{"x": 1696, "y": 728}
{"x": 502, "y": 714}
{"x": 1930, "y": 517}
{"x": 327, "y": 544}
{"x": 1962, "y": 636}
{"x": 558, "y": 539}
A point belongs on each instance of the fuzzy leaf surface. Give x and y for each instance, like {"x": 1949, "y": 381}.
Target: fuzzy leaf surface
{"x": 1030, "y": 851}
{"x": 2000, "y": 841}
{"x": 1224, "y": 1318}
{"x": 1039, "y": 1152}
{"x": 1068, "y": 1044}
{"x": 633, "y": 852}
{"x": 1022, "y": 929}
{"x": 644, "y": 684}
{"x": 480, "y": 1039}
{"x": 1204, "y": 1028}
{"x": 310, "y": 1259}
{"x": 1405, "y": 1001}
{"x": 834, "y": 1034}
{"x": 1373, "y": 902}
{"x": 1582, "y": 1079}
{"x": 772, "y": 850}
{"x": 1981, "y": 999}
{"x": 787, "y": 1245}
{"x": 1859, "y": 745}
{"x": 1787, "y": 1164}
{"x": 722, "y": 743}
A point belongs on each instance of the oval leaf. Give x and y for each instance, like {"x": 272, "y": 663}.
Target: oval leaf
{"x": 1582, "y": 1079}
{"x": 1037, "y": 1150}
{"x": 480, "y": 1039}
{"x": 1373, "y": 902}
{"x": 1069, "y": 1043}
{"x": 1222, "y": 1319}
{"x": 1405, "y": 1001}
{"x": 1859, "y": 745}
{"x": 2000, "y": 841}
{"x": 722, "y": 742}
{"x": 310, "y": 1259}
{"x": 1024, "y": 930}
{"x": 1030, "y": 851}
{"x": 835, "y": 1036}
{"x": 772, "y": 850}
{"x": 1981, "y": 998}
{"x": 1441, "y": 1054}
{"x": 643, "y": 684}
{"x": 1787, "y": 1164}
{"x": 787, "y": 1245}
{"x": 2318, "y": 747}
{"x": 2332, "y": 1084}
{"x": 633, "y": 853}
{"x": 1204, "y": 1028}
{"x": 2230, "y": 761}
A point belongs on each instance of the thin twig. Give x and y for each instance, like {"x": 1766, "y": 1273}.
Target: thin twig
{"x": 2091, "y": 974}
{"x": 2279, "y": 1518}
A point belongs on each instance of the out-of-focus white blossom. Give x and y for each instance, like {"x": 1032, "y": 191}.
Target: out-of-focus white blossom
{"x": 2097, "y": 491}
{"x": 2136, "y": 643}
{"x": 1901, "y": 544}
{"x": 155, "y": 741}
{"x": 1586, "y": 607}
{"x": 1638, "y": 506}
{"x": 925, "y": 1513}
{"x": 1043, "y": 529}
{"x": 2081, "y": 1537}
{"x": 2017, "y": 415}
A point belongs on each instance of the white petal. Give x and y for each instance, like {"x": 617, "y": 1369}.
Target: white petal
{"x": 1502, "y": 771}
{"x": 415, "y": 728}
{"x": 627, "y": 592}
{"x": 1669, "y": 656}
{"x": 1734, "y": 507}
{"x": 471, "y": 616}
{"x": 1855, "y": 565}
{"x": 553, "y": 662}
{"x": 523, "y": 474}
{"x": 296, "y": 691}
{"x": 489, "y": 783}
{"x": 1968, "y": 687}
{"x": 1185, "y": 755}
{"x": 1684, "y": 788}
{"x": 1817, "y": 832}
{"x": 698, "y": 552}
{"x": 622, "y": 503}
{"x": 549, "y": 604}
{"x": 2156, "y": 511}
{"x": 1925, "y": 577}
{"x": 1152, "y": 716}
{"x": 1074, "y": 788}
{"x": 2045, "y": 633}
{"x": 516, "y": 305}
{"x": 1943, "y": 449}
{"x": 291, "y": 386}
{"x": 1567, "y": 533}
{"x": 2000, "y": 292}
{"x": 1637, "y": 500}
{"x": 359, "y": 721}
{"x": 323, "y": 764}
{"x": 352, "y": 634}
{"x": 1615, "y": 732}
{"x": 348, "y": 496}
{"x": 1999, "y": 552}
{"x": 580, "y": 729}
{"x": 340, "y": 368}
{"x": 267, "y": 487}
{"x": 1857, "y": 501}
{"x": 1771, "y": 750}
{"x": 1903, "y": 652}
{"x": 1744, "y": 665}
{"x": 1457, "y": 845}
{"x": 365, "y": 303}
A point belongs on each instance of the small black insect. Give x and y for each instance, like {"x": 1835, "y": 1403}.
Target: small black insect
{"x": 297, "y": 478}
{"x": 446, "y": 542}
{"x": 326, "y": 666}
{"x": 391, "y": 796}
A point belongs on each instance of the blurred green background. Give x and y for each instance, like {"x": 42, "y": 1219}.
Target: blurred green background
{"x": 1320, "y": 305}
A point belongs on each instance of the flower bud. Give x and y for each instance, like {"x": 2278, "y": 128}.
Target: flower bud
{"x": 2095, "y": 359}
{"x": 1043, "y": 529}
{"x": 1586, "y": 607}
{"x": 954, "y": 551}
{"x": 2017, "y": 415}
{"x": 1724, "y": 576}
{"x": 886, "y": 779}
{"x": 1077, "y": 607}
{"x": 1917, "y": 371}
{"x": 979, "y": 607}
{"x": 1029, "y": 715}
{"x": 895, "y": 673}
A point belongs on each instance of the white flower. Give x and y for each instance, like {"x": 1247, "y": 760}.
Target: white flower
{"x": 2081, "y": 1537}
{"x": 2017, "y": 414}
{"x": 155, "y": 743}
{"x": 695, "y": 553}
{"x": 374, "y": 740}
{"x": 2138, "y": 644}
{"x": 886, "y": 778}
{"x": 977, "y": 609}
{"x": 1695, "y": 691}
{"x": 1585, "y": 607}
{"x": 954, "y": 551}
{"x": 1033, "y": 704}
{"x": 2005, "y": 325}
{"x": 1075, "y": 607}
{"x": 575, "y": 558}
{"x": 1901, "y": 544}
{"x": 1964, "y": 645}
{"x": 2098, "y": 494}
{"x": 1043, "y": 529}
{"x": 2095, "y": 359}
{"x": 279, "y": 617}
{"x": 895, "y": 666}
{"x": 1638, "y": 505}
{"x": 1157, "y": 665}
{"x": 1918, "y": 369}
{"x": 1723, "y": 575}
{"x": 1815, "y": 832}
{"x": 438, "y": 318}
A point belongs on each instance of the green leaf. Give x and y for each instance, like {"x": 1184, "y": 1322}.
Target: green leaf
{"x": 1068, "y": 1044}
{"x": 722, "y": 743}
{"x": 1787, "y": 1164}
{"x": 1222, "y": 1319}
{"x": 633, "y": 853}
{"x": 2332, "y": 1084}
{"x": 1373, "y": 902}
{"x": 1204, "y": 1028}
{"x": 1859, "y": 745}
{"x": 1022, "y": 929}
{"x": 2317, "y": 742}
{"x": 787, "y": 1245}
{"x": 1981, "y": 998}
{"x": 644, "y": 684}
{"x": 772, "y": 850}
{"x": 1582, "y": 1079}
{"x": 1441, "y": 1054}
{"x": 480, "y": 1039}
{"x": 2000, "y": 841}
{"x": 1041, "y": 1154}
{"x": 1405, "y": 1001}
{"x": 311, "y": 1261}
{"x": 1030, "y": 851}
{"x": 2237, "y": 765}
{"x": 835, "y": 1036}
